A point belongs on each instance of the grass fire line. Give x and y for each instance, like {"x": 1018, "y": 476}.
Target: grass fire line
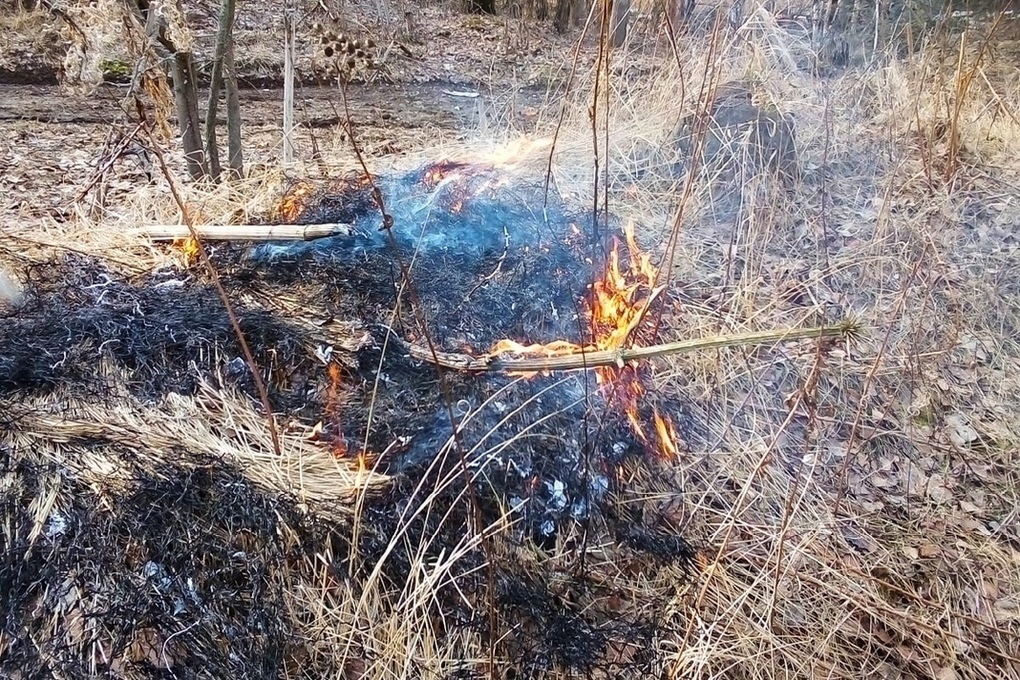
{"x": 584, "y": 359}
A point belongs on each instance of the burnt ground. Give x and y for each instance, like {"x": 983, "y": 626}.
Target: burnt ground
{"x": 167, "y": 333}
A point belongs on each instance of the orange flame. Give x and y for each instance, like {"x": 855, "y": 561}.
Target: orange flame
{"x": 303, "y": 194}
{"x": 617, "y": 306}
{"x": 189, "y": 248}
{"x": 364, "y": 460}
{"x": 333, "y": 408}
{"x": 295, "y": 201}
{"x": 551, "y": 349}
{"x": 667, "y": 435}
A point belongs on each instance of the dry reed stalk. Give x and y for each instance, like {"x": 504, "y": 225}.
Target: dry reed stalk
{"x": 847, "y": 329}
{"x": 244, "y": 232}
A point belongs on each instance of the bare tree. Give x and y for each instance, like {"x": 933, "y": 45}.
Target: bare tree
{"x": 202, "y": 160}
{"x": 680, "y": 13}
{"x": 224, "y": 42}
{"x": 619, "y": 22}
{"x": 566, "y": 10}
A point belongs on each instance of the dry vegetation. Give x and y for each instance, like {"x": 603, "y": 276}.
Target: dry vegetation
{"x": 857, "y": 506}
{"x": 854, "y": 506}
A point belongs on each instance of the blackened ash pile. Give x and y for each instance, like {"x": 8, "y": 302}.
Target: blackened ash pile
{"x": 78, "y": 321}
{"x": 487, "y": 257}
{"x": 182, "y": 575}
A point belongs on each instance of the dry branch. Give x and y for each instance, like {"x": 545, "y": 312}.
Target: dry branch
{"x": 245, "y": 232}
{"x": 593, "y": 358}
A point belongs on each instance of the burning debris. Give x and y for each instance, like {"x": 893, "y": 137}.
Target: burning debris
{"x": 475, "y": 257}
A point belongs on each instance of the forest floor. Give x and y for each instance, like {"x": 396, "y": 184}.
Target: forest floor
{"x": 854, "y": 507}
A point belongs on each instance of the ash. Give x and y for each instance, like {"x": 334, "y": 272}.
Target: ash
{"x": 547, "y": 448}
{"x": 488, "y": 255}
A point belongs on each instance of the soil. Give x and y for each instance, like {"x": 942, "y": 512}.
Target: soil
{"x": 52, "y": 139}
{"x": 53, "y": 135}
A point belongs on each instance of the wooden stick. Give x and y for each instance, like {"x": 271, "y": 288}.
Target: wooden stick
{"x": 245, "y": 232}
{"x": 619, "y": 357}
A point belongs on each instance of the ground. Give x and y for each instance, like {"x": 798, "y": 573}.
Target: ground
{"x": 827, "y": 509}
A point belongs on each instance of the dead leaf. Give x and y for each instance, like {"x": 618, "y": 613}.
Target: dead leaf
{"x": 916, "y": 481}
{"x": 960, "y": 432}
{"x": 1007, "y": 609}
{"x": 937, "y": 489}
{"x": 972, "y": 508}
{"x": 946, "y": 673}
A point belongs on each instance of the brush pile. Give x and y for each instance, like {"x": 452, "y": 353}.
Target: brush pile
{"x": 151, "y": 528}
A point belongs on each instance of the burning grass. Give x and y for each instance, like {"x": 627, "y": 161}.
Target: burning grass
{"x": 803, "y": 509}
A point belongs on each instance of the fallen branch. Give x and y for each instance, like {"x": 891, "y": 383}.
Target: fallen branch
{"x": 595, "y": 358}
{"x": 245, "y": 232}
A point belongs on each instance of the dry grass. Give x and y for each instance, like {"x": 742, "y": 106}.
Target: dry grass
{"x": 855, "y": 506}
{"x": 214, "y": 424}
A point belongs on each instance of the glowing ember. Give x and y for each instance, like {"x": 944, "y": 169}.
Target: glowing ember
{"x": 306, "y": 202}
{"x": 295, "y": 201}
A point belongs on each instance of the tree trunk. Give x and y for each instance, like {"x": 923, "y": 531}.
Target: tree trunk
{"x": 224, "y": 37}
{"x": 235, "y": 155}
{"x": 186, "y": 98}
{"x": 185, "y": 87}
{"x": 618, "y": 22}
{"x": 680, "y": 14}
{"x": 579, "y": 10}
{"x": 561, "y": 22}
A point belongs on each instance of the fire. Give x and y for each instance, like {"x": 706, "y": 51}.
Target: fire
{"x": 454, "y": 183}
{"x": 623, "y": 296}
{"x": 616, "y": 307}
{"x": 333, "y": 408}
{"x": 363, "y": 460}
{"x": 518, "y": 150}
{"x": 667, "y": 435}
{"x": 552, "y": 349}
{"x": 440, "y": 172}
{"x": 302, "y": 195}
{"x": 188, "y": 247}
{"x": 620, "y": 301}
{"x": 295, "y": 201}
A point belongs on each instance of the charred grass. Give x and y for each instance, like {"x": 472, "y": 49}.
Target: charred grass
{"x": 839, "y": 510}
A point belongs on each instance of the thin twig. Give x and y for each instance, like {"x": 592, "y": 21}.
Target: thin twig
{"x": 249, "y": 358}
